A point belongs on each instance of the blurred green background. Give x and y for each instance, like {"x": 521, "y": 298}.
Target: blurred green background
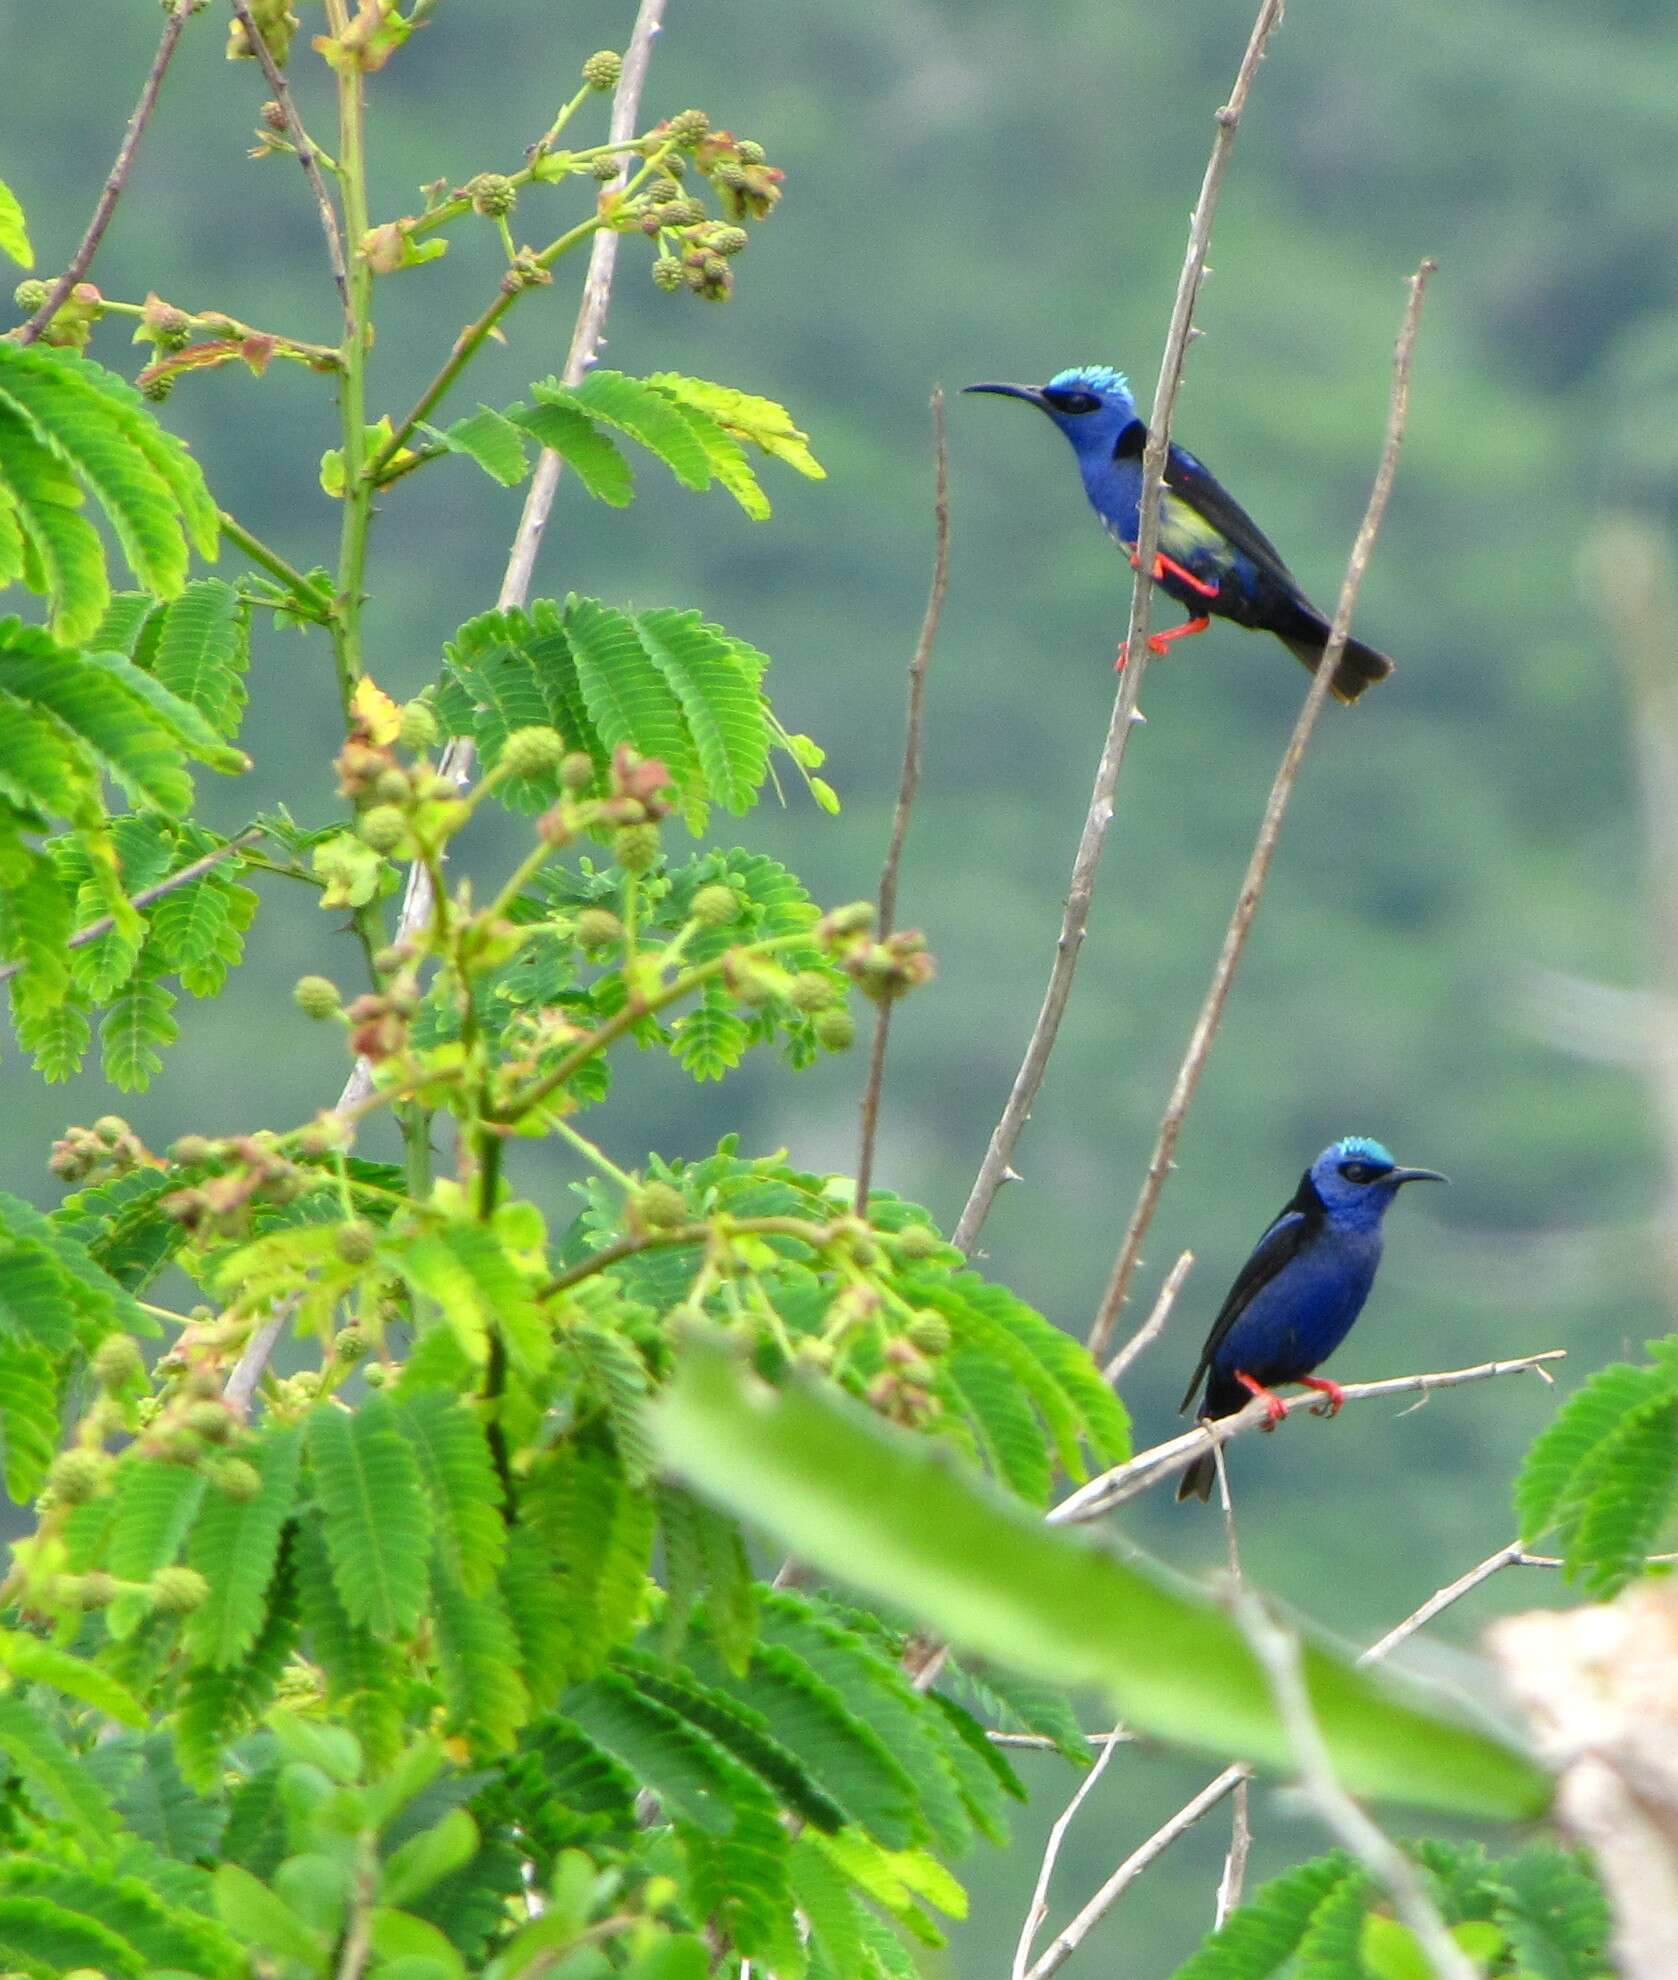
{"x": 993, "y": 190}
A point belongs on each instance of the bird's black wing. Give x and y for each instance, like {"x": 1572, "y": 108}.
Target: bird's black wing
{"x": 1296, "y": 1224}
{"x": 1193, "y": 482}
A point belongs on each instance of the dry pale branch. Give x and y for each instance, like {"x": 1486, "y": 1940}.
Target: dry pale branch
{"x": 112, "y": 190}
{"x": 1233, "y": 1880}
{"x": 1264, "y": 847}
{"x": 1176, "y": 1454}
{"x": 887, "y": 914}
{"x": 997, "y": 1166}
{"x": 1154, "y": 1325}
{"x": 1278, "y": 1650}
{"x": 306, "y": 157}
{"x": 456, "y": 761}
{"x": 1038, "y": 1909}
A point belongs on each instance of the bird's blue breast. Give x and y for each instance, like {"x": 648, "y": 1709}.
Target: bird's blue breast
{"x": 1296, "y": 1322}
{"x": 1114, "y": 489}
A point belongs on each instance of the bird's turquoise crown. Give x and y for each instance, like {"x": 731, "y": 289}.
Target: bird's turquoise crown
{"x": 1090, "y": 378}
{"x": 1359, "y": 1148}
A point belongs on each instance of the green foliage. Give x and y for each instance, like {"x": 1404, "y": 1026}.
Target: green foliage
{"x": 1536, "y": 1916}
{"x": 1604, "y": 1474}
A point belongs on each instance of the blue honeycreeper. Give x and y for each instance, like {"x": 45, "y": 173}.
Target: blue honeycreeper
{"x": 1295, "y": 1299}
{"x": 1213, "y": 559}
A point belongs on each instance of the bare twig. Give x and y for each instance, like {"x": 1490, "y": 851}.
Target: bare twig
{"x": 1264, "y": 848}
{"x": 586, "y": 337}
{"x": 1278, "y": 1650}
{"x": 306, "y": 157}
{"x": 144, "y": 898}
{"x": 1176, "y": 1454}
{"x": 1041, "y": 1742}
{"x": 1233, "y": 1880}
{"x": 1038, "y": 1909}
{"x": 887, "y": 916}
{"x": 1150, "y": 1328}
{"x": 112, "y": 190}
{"x": 1441, "y": 1600}
{"x": 996, "y": 1168}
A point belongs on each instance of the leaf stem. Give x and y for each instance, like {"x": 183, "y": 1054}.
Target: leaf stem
{"x": 358, "y": 489}
{"x": 312, "y": 601}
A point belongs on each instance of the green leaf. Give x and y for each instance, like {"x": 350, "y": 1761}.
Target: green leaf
{"x": 460, "y": 1481}
{"x": 862, "y": 1500}
{"x": 49, "y": 1938}
{"x": 29, "y": 1416}
{"x": 33, "y": 1661}
{"x": 155, "y": 1935}
{"x": 51, "y": 1775}
{"x": 467, "y": 1271}
{"x": 56, "y": 1038}
{"x": 644, "y": 414}
{"x": 365, "y": 1684}
{"x": 201, "y": 652}
{"x": 134, "y": 1031}
{"x": 253, "y": 1913}
{"x": 235, "y": 1545}
{"x": 597, "y": 1527}
{"x": 425, "y": 1859}
{"x": 493, "y": 441}
{"x": 216, "y": 1706}
{"x": 378, "y": 1522}
{"x": 720, "y": 699}
{"x": 156, "y": 1503}
{"x": 1257, "y": 1939}
{"x": 1554, "y": 1913}
{"x": 760, "y": 421}
{"x": 710, "y": 1039}
{"x": 477, "y": 1654}
{"x": 626, "y": 694}
{"x": 572, "y": 435}
{"x": 14, "y": 229}
{"x": 153, "y": 1800}
{"x": 62, "y": 555}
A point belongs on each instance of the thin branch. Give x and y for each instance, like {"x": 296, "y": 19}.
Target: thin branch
{"x": 310, "y": 598}
{"x": 1176, "y": 1454}
{"x": 1264, "y": 847}
{"x": 1067, "y": 1942}
{"x": 1041, "y": 1742}
{"x": 112, "y": 191}
{"x": 1278, "y": 1650}
{"x": 586, "y": 337}
{"x": 1038, "y": 1909}
{"x": 997, "y": 1166}
{"x": 1453, "y": 1592}
{"x": 144, "y": 898}
{"x": 1154, "y": 1325}
{"x": 304, "y": 147}
{"x": 887, "y": 917}
{"x": 1234, "y": 1877}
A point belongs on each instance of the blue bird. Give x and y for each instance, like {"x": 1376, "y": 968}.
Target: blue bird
{"x": 1213, "y": 559}
{"x": 1296, "y": 1298}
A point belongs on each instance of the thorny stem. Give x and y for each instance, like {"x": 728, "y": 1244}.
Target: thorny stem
{"x": 1153, "y": 1326}
{"x": 1264, "y": 847}
{"x": 906, "y": 789}
{"x": 117, "y": 179}
{"x": 997, "y": 1166}
{"x": 352, "y": 399}
{"x": 312, "y": 602}
{"x": 306, "y": 157}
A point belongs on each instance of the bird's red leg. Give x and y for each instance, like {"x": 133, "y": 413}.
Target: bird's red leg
{"x": 1333, "y": 1394}
{"x": 1158, "y": 642}
{"x": 1164, "y": 564}
{"x": 1275, "y": 1408}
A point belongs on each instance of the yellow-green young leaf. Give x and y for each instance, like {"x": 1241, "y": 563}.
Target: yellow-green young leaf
{"x": 14, "y": 230}
{"x": 572, "y": 435}
{"x": 29, "y": 1416}
{"x": 1391, "y": 1951}
{"x": 235, "y": 1545}
{"x": 134, "y": 1031}
{"x": 759, "y": 421}
{"x": 493, "y": 441}
{"x": 414, "y": 1946}
{"x": 424, "y": 1860}
{"x": 254, "y": 1914}
{"x": 378, "y": 1522}
{"x": 34, "y": 1662}
{"x": 467, "y": 1271}
{"x": 882, "y": 1510}
{"x": 53, "y": 1778}
{"x": 633, "y": 407}
{"x": 1262, "y": 1934}
{"x": 728, "y": 460}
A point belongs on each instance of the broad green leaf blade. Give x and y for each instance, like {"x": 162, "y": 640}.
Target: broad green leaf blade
{"x": 14, "y": 229}
{"x": 878, "y": 1508}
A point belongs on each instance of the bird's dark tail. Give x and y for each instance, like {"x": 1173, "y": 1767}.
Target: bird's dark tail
{"x": 1360, "y": 666}
{"x": 1198, "y": 1480}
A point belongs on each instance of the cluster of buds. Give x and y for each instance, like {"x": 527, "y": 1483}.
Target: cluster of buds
{"x": 274, "y": 22}
{"x": 73, "y": 320}
{"x": 163, "y": 326}
{"x": 602, "y": 70}
{"x": 492, "y": 194}
{"x": 109, "y": 1148}
{"x": 379, "y": 1021}
{"x": 243, "y": 1170}
{"x": 696, "y": 248}
{"x": 902, "y": 1391}
{"x": 885, "y": 971}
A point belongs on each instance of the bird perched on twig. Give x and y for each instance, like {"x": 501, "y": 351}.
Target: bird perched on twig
{"x": 1213, "y": 559}
{"x": 1295, "y": 1299}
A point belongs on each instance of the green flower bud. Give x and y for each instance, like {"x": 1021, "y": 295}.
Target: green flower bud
{"x": 110, "y": 1128}
{"x": 383, "y": 827}
{"x": 31, "y": 294}
{"x": 117, "y": 1362}
{"x": 687, "y": 127}
{"x": 351, "y": 1344}
{"x": 812, "y": 990}
{"x": 635, "y": 847}
{"x": 316, "y": 997}
{"x": 393, "y": 786}
{"x": 662, "y": 191}
{"x": 667, "y": 272}
{"x": 715, "y": 906}
{"x": 602, "y": 69}
{"x": 598, "y": 928}
{"x": 730, "y": 240}
{"x": 88, "y": 1591}
{"x": 191, "y": 1149}
{"x": 492, "y": 194}
{"x": 355, "y": 1243}
{"x": 835, "y": 1028}
{"x": 659, "y": 1206}
{"x": 749, "y": 153}
{"x": 177, "y": 1591}
{"x": 213, "y": 1421}
{"x": 376, "y": 1375}
{"x": 419, "y": 729}
{"x": 841, "y": 921}
{"x": 916, "y": 1241}
{"x": 604, "y": 169}
{"x": 532, "y": 752}
{"x": 576, "y": 770}
{"x": 930, "y": 1331}
{"x": 79, "y": 1475}
{"x": 158, "y": 387}
{"x": 235, "y": 1478}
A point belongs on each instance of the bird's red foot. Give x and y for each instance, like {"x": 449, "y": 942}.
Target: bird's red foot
{"x": 1274, "y": 1407}
{"x": 1158, "y": 642}
{"x": 1124, "y": 655}
{"x": 1332, "y": 1393}
{"x": 1164, "y": 565}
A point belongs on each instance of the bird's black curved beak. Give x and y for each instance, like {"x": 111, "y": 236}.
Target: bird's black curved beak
{"x": 1417, "y": 1175}
{"x": 1030, "y": 393}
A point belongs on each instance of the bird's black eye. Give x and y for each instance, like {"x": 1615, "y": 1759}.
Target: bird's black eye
{"x": 1073, "y": 402}
{"x": 1360, "y": 1172}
